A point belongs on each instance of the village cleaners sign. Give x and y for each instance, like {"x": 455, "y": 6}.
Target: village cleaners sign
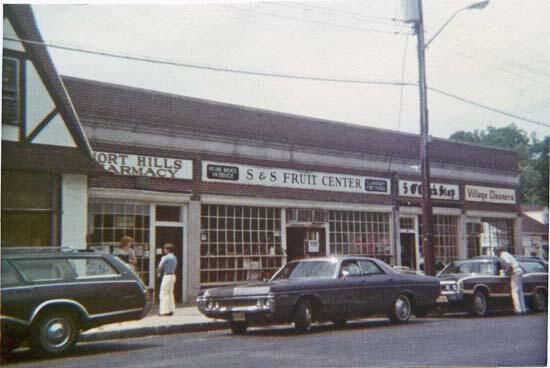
{"x": 287, "y": 178}
{"x": 141, "y": 165}
{"x": 491, "y": 195}
{"x": 408, "y": 188}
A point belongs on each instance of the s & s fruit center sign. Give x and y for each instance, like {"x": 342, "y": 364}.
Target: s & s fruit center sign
{"x": 289, "y": 178}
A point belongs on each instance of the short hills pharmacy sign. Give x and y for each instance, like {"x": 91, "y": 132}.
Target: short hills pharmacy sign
{"x": 142, "y": 165}
{"x": 297, "y": 179}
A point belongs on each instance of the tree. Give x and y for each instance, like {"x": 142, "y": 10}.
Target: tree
{"x": 532, "y": 154}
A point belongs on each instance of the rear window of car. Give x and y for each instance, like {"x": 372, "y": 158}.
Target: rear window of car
{"x": 485, "y": 268}
{"x": 533, "y": 267}
{"x": 92, "y": 268}
{"x": 9, "y": 276}
{"x": 41, "y": 270}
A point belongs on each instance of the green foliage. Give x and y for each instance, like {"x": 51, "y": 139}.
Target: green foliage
{"x": 532, "y": 153}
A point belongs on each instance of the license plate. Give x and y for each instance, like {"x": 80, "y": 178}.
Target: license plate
{"x": 442, "y": 299}
{"x": 239, "y": 316}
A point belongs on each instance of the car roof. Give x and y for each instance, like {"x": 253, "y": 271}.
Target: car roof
{"x": 47, "y": 252}
{"x": 333, "y": 258}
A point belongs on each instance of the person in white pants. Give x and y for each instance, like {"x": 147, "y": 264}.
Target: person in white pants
{"x": 167, "y": 267}
{"x": 516, "y": 280}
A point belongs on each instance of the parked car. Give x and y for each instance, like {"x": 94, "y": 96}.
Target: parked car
{"x": 333, "y": 289}
{"x": 50, "y": 295}
{"x": 477, "y": 285}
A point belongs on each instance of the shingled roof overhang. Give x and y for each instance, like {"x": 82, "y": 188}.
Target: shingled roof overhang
{"x": 128, "y": 105}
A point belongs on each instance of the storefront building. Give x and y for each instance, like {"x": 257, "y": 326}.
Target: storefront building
{"x": 241, "y": 191}
{"x": 45, "y": 154}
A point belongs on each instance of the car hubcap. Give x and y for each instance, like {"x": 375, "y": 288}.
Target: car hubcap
{"x": 402, "y": 308}
{"x": 308, "y": 317}
{"x": 57, "y": 332}
{"x": 479, "y": 304}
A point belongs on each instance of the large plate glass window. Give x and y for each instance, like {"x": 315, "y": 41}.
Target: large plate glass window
{"x": 445, "y": 240}
{"x": 109, "y": 222}
{"x": 10, "y": 91}
{"x": 30, "y": 209}
{"x": 361, "y": 233}
{"x": 239, "y": 243}
{"x": 496, "y": 233}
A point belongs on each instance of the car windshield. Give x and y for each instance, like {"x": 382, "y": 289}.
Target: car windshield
{"x": 307, "y": 269}
{"x": 485, "y": 268}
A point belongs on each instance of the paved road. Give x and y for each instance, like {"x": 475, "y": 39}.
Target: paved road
{"x": 504, "y": 340}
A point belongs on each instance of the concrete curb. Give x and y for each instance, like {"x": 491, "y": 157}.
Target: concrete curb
{"x": 152, "y": 330}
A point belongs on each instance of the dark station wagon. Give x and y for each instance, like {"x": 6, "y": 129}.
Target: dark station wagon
{"x": 333, "y": 289}
{"x": 478, "y": 285}
{"x": 50, "y": 295}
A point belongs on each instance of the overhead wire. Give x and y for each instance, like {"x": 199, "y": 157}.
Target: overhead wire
{"x": 351, "y": 15}
{"x": 273, "y": 75}
{"x": 318, "y": 22}
{"x": 399, "y": 114}
{"x": 210, "y": 67}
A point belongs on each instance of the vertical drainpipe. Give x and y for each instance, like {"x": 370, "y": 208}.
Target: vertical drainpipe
{"x": 395, "y": 219}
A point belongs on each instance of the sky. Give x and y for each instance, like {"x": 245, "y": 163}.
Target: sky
{"x": 498, "y": 56}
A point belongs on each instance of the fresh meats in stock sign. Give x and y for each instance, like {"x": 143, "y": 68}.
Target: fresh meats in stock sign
{"x": 286, "y": 178}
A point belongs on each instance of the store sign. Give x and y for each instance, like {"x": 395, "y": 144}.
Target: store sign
{"x": 490, "y": 195}
{"x": 142, "y": 165}
{"x": 408, "y": 188}
{"x": 288, "y": 178}
{"x": 313, "y": 246}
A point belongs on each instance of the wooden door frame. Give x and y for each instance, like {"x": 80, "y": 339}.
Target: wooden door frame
{"x": 153, "y": 224}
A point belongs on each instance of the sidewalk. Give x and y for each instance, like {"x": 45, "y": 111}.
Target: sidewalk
{"x": 185, "y": 319}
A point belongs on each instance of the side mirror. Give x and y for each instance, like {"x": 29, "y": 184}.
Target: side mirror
{"x": 345, "y": 275}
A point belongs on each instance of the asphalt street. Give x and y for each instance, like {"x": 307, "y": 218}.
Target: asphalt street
{"x": 503, "y": 340}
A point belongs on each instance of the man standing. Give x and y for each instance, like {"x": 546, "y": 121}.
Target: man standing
{"x": 167, "y": 267}
{"x": 516, "y": 279}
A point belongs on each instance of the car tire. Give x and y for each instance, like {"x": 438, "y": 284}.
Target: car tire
{"x": 339, "y": 323}
{"x": 238, "y": 328}
{"x": 303, "y": 316}
{"x": 53, "y": 333}
{"x": 479, "y": 304}
{"x": 539, "y": 303}
{"x": 401, "y": 309}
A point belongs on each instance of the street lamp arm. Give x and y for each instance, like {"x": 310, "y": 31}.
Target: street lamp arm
{"x": 442, "y": 27}
{"x": 478, "y": 5}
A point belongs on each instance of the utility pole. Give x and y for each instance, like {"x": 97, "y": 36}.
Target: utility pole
{"x": 413, "y": 13}
{"x": 427, "y": 223}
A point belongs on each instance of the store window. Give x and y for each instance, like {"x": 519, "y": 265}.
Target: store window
{"x": 108, "y": 222}
{"x": 445, "y": 239}
{"x": 10, "y": 91}
{"x": 496, "y": 233}
{"x": 360, "y": 233}
{"x": 30, "y": 209}
{"x": 473, "y": 239}
{"x": 239, "y": 243}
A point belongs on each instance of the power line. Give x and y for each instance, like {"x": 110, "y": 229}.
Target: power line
{"x": 286, "y": 17}
{"x": 274, "y": 75}
{"x": 211, "y": 67}
{"x": 486, "y": 107}
{"x": 352, "y": 15}
{"x": 457, "y": 50}
{"x": 399, "y": 115}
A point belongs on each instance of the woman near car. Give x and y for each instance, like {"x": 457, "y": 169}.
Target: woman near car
{"x": 126, "y": 252}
